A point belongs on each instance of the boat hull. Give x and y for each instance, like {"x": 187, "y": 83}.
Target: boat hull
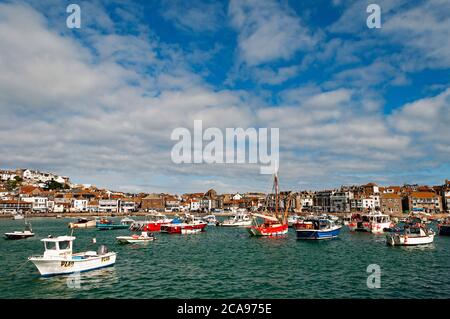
{"x": 111, "y": 226}
{"x": 268, "y": 231}
{"x": 130, "y": 240}
{"x": 152, "y": 227}
{"x": 402, "y": 240}
{"x": 183, "y": 228}
{"x": 65, "y": 266}
{"x": 313, "y": 234}
{"x": 237, "y": 224}
{"x": 374, "y": 228}
{"x": 12, "y": 236}
{"x": 89, "y": 224}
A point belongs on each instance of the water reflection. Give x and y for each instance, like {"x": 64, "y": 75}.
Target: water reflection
{"x": 100, "y": 278}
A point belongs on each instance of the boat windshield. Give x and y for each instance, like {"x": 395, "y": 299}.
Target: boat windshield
{"x": 412, "y": 230}
{"x": 324, "y": 224}
{"x": 64, "y": 244}
{"x": 381, "y": 219}
{"x": 50, "y": 245}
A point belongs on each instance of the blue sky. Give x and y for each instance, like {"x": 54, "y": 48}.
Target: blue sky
{"x": 353, "y": 104}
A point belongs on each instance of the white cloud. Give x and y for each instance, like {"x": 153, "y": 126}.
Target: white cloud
{"x": 425, "y": 31}
{"x": 420, "y": 30}
{"x": 268, "y": 31}
{"x": 92, "y": 113}
{"x": 197, "y": 16}
{"x": 428, "y": 119}
{"x": 275, "y": 77}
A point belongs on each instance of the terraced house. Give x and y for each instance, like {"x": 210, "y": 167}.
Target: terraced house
{"x": 391, "y": 203}
{"x": 428, "y": 202}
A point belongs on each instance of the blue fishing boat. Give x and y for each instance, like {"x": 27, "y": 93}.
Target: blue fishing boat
{"x": 315, "y": 229}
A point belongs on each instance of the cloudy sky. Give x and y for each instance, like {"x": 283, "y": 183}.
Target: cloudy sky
{"x": 353, "y": 104}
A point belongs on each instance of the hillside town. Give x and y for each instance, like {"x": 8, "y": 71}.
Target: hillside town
{"x": 37, "y": 192}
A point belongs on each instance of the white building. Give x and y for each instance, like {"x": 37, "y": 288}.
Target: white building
{"x": 7, "y": 175}
{"x": 108, "y": 205}
{"x": 185, "y": 206}
{"x": 58, "y": 208}
{"x": 4, "y": 194}
{"x": 80, "y": 205}
{"x": 43, "y": 177}
{"x": 237, "y": 196}
{"x": 340, "y": 201}
{"x": 370, "y": 202}
{"x": 127, "y": 206}
{"x": 195, "y": 205}
{"x": 206, "y": 204}
{"x": 447, "y": 200}
{"x": 39, "y": 204}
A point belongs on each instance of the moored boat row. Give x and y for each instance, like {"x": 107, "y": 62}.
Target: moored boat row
{"x": 58, "y": 257}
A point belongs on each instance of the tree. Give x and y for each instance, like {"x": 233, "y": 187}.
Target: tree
{"x": 18, "y": 179}
{"x": 54, "y": 185}
{"x": 12, "y": 184}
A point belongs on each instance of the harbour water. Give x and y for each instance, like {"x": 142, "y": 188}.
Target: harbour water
{"x": 228, "y": 263}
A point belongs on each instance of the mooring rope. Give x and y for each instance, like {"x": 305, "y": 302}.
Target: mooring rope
{"x": 20, "y": 267}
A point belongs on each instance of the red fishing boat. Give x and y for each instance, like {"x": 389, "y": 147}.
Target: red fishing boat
{"x": 152, "y": 224}
{"x": 155, "y": 222}
{"x": 189, "y": 225}
{"x": 274, "y": 224}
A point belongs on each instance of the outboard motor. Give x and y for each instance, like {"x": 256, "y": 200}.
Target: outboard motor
{"x": 102, "y": 250}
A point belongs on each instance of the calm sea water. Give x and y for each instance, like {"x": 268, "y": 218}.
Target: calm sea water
{"x": 227, "y": 263}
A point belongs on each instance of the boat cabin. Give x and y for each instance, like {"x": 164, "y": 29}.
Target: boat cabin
{"x": 240, "y": 217}
{"x": 376, "y": 218}
{"x": 58, "y": 246}
{"x": 415, "y": 231}
{"x": 315, "y": 224}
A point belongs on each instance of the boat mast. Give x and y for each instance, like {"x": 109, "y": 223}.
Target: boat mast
{"x": 276, "y": 194}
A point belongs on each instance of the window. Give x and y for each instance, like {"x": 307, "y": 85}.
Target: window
{"x": 50, "y": 245}
{"x": 64, "y": 244}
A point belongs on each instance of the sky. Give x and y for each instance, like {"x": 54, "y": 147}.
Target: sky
{"x": 352, "y": 104}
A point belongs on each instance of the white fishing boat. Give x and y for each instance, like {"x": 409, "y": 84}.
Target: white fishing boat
{"x": 28, "y": 232}
{"x": 373, "y": 222}
{"x": 127, "y": 221}
{"x": 144, "y": 237}
{"x": 238, "y": 220}
{"x": 58, "y": 258}
{"x": 211, "y": 220}
{"x": 411, "y": 235}
{"x": 83, "y": 223}
{"x": 346, "y": 220}
{"x": 18, "y": 216}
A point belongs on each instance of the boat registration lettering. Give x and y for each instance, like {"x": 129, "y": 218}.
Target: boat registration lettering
{"x": 104, "y": 259}
{"x": 67, "y": 264}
